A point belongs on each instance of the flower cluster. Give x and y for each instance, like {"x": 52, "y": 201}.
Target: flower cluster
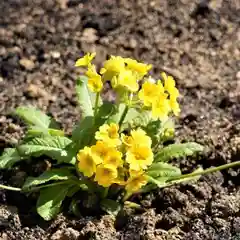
{"x": 117, "y": 158}
{"x": 126, "y": 77}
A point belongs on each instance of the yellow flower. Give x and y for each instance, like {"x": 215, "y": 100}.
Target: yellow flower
{"x": 109, "y": 134}
{"x": 170, "y": 85}
{"x": 112, "y": 67}
{"x": 136, "y": 181}
{"x": 113, "y": 158}
{"x": 94, "y": 79}
{"x": 139, "y": 157}
{"x": 127, "y": 140}
{"x": 127, "y": 79}
{"x": 149, "y": 92}
{"x": 174, "y": 106}
{"x": 138, "y": 138}
{"x": 85, "y": 60}
{"x": 105, "y": 175}
{"x": 141, "y": 68}
{"x": 87, "y": 161}
{"x": 161, "y": 107}
{"x": 101, "y": 149}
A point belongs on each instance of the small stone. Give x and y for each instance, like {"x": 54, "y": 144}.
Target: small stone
{"x": 9, "y": 216}
{"x": 236, "y": 224}
{"x": 35, "y": 91}
{"x": 27, "y": 64}
{"x": 238, "y": 75}
{"x": 62, "y": 4}
{"x": 89, "y": 35}
{"x": 55, "y": 54}
{"x": 65, "y": 234}
{"x": 4, "y": 236}
{"x": 132, "y": 43}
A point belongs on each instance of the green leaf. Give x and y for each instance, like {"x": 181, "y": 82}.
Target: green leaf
{"x": 177, "y": 150}
{"x": 54, "y": 174}
{"x": 56, "y": 148}
{"x": 55, "y": 132}
{"x": 9, "y": 157}
{"x": 50, "y": 200}
{"x": 134, "y": 117}
{"x": 165, "y": 170}
{"x": 74, "y": 189}
{"x": 185, "y": 179}
{"x": 39, "y": 124}
{"x": 160, "y": 183}
{"x": 74, "y": 208}
{"x": 110, "y": 206}
{"x": 83, "y": 132}
{"x": 83, "y": 96}
{"x": 34, "y": 132}
{"x": 33, "y": 117}
{"x": 105, "y": 111}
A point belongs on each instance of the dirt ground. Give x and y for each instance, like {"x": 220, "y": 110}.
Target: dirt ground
{"x": 198, "y": 42}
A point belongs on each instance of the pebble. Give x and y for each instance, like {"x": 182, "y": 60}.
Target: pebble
{"x": 55, "y": 54}
{"x": 65, "y": 234}
{"x": 35, "y": 91}
{"x": 132, "y": 43}
{"x": 238, "y": 75}
{"x": 27, "y": 64}
{"x": 89, "y": 35}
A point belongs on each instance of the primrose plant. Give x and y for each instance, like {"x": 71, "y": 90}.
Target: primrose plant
{"x": 116, "y": 150}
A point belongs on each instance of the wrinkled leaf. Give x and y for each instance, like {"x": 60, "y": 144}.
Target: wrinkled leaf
{"x": 159, "y": 182}
{"x": 9, "y": 157}
{"x": 74, "y": 208}
{"x": 134, "y": 117}
{"x": 34, "y": 132}
{"x": 53, "y": 147}
{"x": 83, "y": 96}
{"x": 39, "y": 124}
{"x": 162, "y": 182}
{"x": 161, "y": 169}
{"x": 50, "y": 175}
{"x": 111, "y": 207}
{"x": 33, "y": 117}
{"x": 177, "y": 150}
{"x": 50, "y": 200}
{"x": 83, "y": 132}
{"x": 106, "y": 111}
{"x": 185, "y": 179}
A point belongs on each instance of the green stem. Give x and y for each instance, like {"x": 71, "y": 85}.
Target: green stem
{"x": 132, "y": 204}
{"x": 10, "y": 188}
{"x": 105, "y": 192}
{"x": 45, "y": 186}
{"x": 124, "y": 114}
{"x": 96, "y": 104}
{"x": 207, "y": 171}
{"x": 127, "y": 196}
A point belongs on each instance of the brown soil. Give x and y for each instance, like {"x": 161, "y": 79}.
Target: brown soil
{"x": 195, "y": 41}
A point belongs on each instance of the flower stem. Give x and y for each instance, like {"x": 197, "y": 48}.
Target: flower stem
{"x": 207, "y": 171}
{"x": 45, "y": 186}
{"x": 124, "y": 114}
{"x": 96, "y": 104}
{"x": 105, "y": 192}
{"x": 127, "y": 196}
{"x": 10, "y": 188}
